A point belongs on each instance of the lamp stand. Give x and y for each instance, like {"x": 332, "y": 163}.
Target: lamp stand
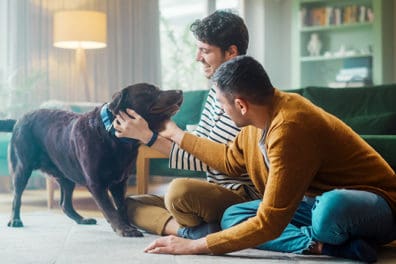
{"x": 81, "y": 60}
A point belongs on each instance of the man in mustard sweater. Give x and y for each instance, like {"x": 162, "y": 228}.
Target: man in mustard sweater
{"x": 325, "y": 190}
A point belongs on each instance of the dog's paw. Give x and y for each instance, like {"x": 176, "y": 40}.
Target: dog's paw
{"x": 129, "y": 232}
{"x": 15, "y": 223}
{"x": 86, "y": 221}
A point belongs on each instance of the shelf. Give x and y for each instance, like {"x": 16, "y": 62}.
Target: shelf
{"x": 371, "y": 39}
{"x": 323, "y": 58}
{"x": 335, "y": 27}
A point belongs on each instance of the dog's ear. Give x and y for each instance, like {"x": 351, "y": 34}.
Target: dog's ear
{"x": 117, "y": 101}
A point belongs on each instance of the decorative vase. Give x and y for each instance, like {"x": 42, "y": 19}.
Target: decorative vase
{"x": 314, "y": 45}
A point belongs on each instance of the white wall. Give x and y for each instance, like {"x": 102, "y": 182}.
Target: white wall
{"x": 253, "y": 14}
{"x": 269, "y": 23}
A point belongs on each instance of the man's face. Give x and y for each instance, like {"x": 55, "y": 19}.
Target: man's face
{"x": 211, "y": 57}
{"x": 231, "y": 109}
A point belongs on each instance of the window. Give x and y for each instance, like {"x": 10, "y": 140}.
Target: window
{"x": 179, "y": 69}
{"x": 3, "y": 57}
{"x": 228, "y": 4}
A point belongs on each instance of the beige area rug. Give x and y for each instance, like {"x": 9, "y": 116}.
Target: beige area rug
{"x": 50, "y": 237}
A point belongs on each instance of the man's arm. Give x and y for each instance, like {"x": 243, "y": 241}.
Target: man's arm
{"x": 221, "y": 131}
{"x": 222, "y": 157}
{"x": 218, "y": 156}
{"x": 163, "y": 145}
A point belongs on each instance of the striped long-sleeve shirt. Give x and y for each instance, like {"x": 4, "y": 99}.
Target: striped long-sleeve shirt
{"x": 218, "y": 127}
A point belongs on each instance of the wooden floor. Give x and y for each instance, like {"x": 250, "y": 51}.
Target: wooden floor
{"x": 36, "y": 200}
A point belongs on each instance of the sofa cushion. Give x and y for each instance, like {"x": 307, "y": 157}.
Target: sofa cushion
{"x": 191, "y": 109}
{"x": 380, "y": 124}
{"x": 347, "y": 103}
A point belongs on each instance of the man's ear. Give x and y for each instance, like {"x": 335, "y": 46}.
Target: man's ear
{"x": 231, "y": 52}
{"x": 241, "y": 105}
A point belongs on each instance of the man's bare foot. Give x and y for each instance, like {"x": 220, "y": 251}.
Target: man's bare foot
{"x": 316, "y": 248}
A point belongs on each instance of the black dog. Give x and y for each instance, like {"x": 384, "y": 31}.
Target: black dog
{"x": 80, "y": 148}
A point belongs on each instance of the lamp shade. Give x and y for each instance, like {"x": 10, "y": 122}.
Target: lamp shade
{"x": 80, "y": 29}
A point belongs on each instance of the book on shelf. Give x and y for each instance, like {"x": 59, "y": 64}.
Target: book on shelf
{"x": 319, "y": 16}
{"x": 335, "y": 15}
{"x": 352, "y": 77}
{"x": 353, "y": 74}
{"x": 350, "y": 14}
{"x": 329, "y": 15}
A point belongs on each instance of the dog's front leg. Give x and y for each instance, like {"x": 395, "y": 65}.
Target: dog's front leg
{"x": 118, "y": 191}
{"x": 119, "y": 225}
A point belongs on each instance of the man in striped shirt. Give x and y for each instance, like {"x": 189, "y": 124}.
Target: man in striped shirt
{"x": 193, "y": 208}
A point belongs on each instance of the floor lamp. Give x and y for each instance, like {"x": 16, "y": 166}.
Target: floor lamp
{"x": 80, "y": 30}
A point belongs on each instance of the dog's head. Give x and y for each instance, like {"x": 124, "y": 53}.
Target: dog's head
{"x": 154, "y": 105}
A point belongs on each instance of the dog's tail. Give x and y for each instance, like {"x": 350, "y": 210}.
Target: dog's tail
{"x": 6, "y": 125}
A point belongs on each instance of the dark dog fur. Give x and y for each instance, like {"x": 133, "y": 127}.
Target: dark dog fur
{"x": 76, "y": 148}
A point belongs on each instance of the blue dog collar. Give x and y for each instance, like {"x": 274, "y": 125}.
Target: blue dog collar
{"x": 107, "y": 119}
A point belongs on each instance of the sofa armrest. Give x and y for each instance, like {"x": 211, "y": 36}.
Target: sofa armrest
{"x": 77, "y": 107}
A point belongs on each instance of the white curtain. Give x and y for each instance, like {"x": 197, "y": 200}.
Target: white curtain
{"x": 33, "y": 71}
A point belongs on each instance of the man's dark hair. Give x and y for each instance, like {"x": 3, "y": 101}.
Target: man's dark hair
{"x": 244, "y": 77}
{"x": 222, "y": 29}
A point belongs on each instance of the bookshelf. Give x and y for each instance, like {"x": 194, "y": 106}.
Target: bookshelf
{"x": 342, "y": 43}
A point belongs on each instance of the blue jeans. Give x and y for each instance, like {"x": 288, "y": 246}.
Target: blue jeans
{"x": 333, "y": 217}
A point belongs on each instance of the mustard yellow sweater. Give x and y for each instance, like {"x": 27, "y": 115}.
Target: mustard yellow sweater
{"x": 310, "y": 152}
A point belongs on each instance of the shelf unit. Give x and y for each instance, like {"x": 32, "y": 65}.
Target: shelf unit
{"x": 359, "y": 41}
{"x": 329, "y": 58}
{"x": 334, "y": 27}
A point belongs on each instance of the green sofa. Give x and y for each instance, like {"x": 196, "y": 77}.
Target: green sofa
{"x": 370, "y": 111}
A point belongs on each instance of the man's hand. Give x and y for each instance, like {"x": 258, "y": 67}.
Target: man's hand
{"x": 178, "y": 246}
{"x": 132, "y": 126}
{"x": 172, "y": 132}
